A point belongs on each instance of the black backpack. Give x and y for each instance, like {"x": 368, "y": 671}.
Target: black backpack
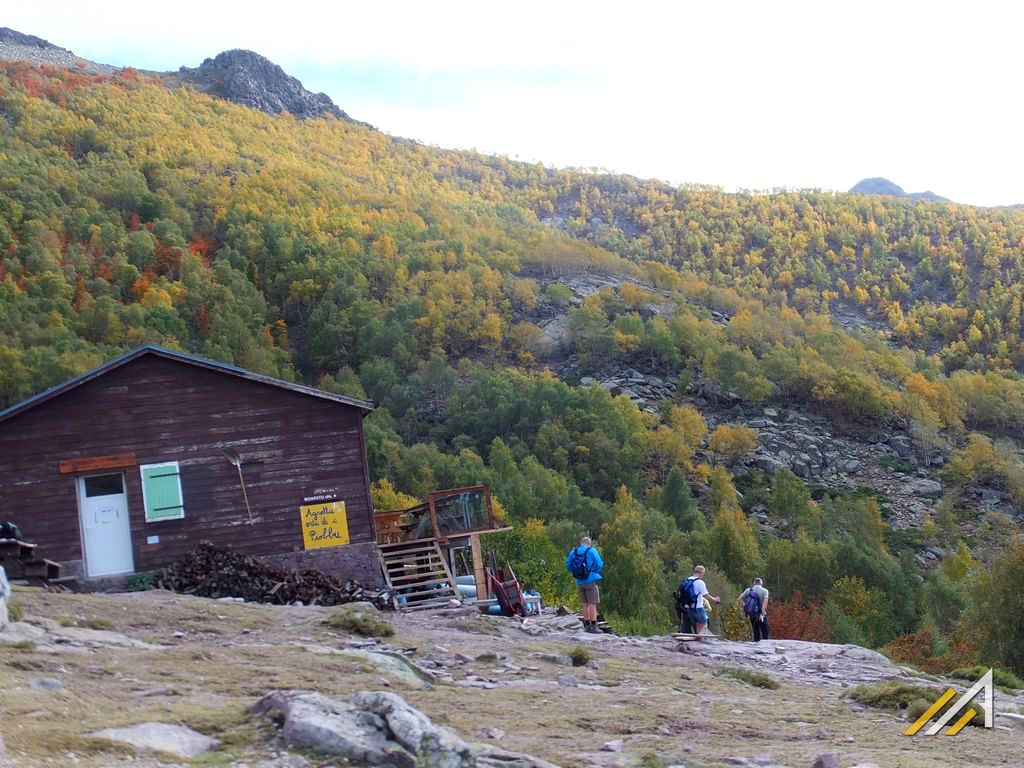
{"x": 680, "y": 603}
{"x": 10, "y": 531}
{"x": 579, "y": 565}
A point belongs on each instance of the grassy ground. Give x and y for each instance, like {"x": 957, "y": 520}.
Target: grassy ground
{"x": 667, "y": 707}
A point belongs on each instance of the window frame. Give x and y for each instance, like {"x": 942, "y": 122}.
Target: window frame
{"x": 145, "y": 501}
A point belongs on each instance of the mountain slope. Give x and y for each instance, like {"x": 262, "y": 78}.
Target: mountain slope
{"x": 319, "y": 249}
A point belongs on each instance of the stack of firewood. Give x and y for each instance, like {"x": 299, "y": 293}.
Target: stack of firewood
{"x": 209, "y": 571}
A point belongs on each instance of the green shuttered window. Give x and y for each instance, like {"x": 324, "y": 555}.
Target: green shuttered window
{"x": 161, "y": 491}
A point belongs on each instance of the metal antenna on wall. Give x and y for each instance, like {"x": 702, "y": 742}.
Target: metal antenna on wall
{"x": 235, "y": 459}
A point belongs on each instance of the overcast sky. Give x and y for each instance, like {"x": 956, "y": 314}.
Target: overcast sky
{"x": 744, "y": 95}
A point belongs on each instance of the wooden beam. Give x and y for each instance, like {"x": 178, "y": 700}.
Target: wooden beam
{"x": 490, "y": 507}
{"x": 89, "y": 463}
{"x": 433, "y": 518}
{"x": 478, "y": 567}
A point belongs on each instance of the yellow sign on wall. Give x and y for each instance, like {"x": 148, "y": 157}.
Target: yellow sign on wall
{"x": 324, "y": 524}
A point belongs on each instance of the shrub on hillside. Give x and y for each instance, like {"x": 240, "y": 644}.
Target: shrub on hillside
{"x": 930, "y": 652}
{"x": 358, "y": 620}
{"x": 756, "y": 679}
{"x": 1002, "y": 677}
{"x": 893, "y": 694}
{"x": 797, "y": 620}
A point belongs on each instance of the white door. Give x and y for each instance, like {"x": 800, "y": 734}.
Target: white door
{"x": 106, "y": 532}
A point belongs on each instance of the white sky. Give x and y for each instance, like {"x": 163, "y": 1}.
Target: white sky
{"x": 752, "y": 95}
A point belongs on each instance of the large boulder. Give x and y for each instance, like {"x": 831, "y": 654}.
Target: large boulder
{"x": 380, "y": 728}
{"x": 920, "y": 486}
{"x": 163, "y": 737}
{"x": 902, "y": 445}
{"x": 768, "y": 464}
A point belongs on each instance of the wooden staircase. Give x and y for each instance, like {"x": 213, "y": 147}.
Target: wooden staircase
{"x": 21, "y": 561}
{"x": 418, "y": 575}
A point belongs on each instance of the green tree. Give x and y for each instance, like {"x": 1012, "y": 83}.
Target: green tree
{"x": 677, "y": 501}
{"x": 791, "y": 504}
{"x": 731, "y": 541}
{"x": 631, "y": 573}
{"x": 803, "y": 565}
{"x": 998, "y": 606}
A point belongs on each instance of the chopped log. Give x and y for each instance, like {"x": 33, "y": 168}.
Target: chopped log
{"x": 209, "y": 571}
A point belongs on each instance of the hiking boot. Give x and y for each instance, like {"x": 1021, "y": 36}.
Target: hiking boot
{"x": 591, "y": 627}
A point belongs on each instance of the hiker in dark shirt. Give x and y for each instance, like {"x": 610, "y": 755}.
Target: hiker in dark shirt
{"x": 754, "y": 602}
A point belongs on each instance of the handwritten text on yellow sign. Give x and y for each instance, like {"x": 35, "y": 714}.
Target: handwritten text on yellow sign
{"x": 324, "y": 525}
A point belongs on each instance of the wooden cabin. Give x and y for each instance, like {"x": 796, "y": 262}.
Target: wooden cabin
{"x": 128, "y": 466}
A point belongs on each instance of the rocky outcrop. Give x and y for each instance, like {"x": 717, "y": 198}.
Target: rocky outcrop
{"x": 552, "y": 318}
{"x": 14, "y": 37}
{"x": 17, "y": 46}
{"x": 804, "y": 662}
{"x": 806, "y": 444}
{"x": 380, "y": 728}
{"x": 247, "y": 78}
{"x": 162, "y": 737}
{"x": 647, "y": 391}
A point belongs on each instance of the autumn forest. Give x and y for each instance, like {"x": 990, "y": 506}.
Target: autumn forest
{"x": 326, "y": 252}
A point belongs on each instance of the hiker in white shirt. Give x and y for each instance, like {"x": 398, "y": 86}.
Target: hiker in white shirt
{"x": 698, "y": 613}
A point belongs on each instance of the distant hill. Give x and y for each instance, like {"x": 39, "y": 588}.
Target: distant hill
{"x": 879, "y": 186}
{"x": 255, "y": 81}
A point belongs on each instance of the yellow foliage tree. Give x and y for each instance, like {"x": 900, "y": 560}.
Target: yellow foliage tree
{"x": 731, "y": 442}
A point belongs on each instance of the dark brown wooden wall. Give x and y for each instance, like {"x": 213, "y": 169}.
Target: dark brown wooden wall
{"x": 163, "y": 410}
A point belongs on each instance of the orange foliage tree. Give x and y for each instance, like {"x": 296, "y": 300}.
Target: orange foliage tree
{"x": 797, "y": 620}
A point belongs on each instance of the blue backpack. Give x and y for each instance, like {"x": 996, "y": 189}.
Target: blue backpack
{"x": 752, "y": 603}
{"x": 689, "y": 590}
{"x": 579, "y": 565}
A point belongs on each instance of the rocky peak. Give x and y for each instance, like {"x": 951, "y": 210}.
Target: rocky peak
{"x": 247, "y": 78}
{"x": 14, "y": 37}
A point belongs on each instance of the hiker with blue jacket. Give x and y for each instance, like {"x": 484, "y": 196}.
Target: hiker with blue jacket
{"x": 585, "y": 564}
{"x": 754, "y": 602}
{"x": 694, "y": 591}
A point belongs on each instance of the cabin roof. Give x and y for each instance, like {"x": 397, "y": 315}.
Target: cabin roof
{"x": 179, "y": 357}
